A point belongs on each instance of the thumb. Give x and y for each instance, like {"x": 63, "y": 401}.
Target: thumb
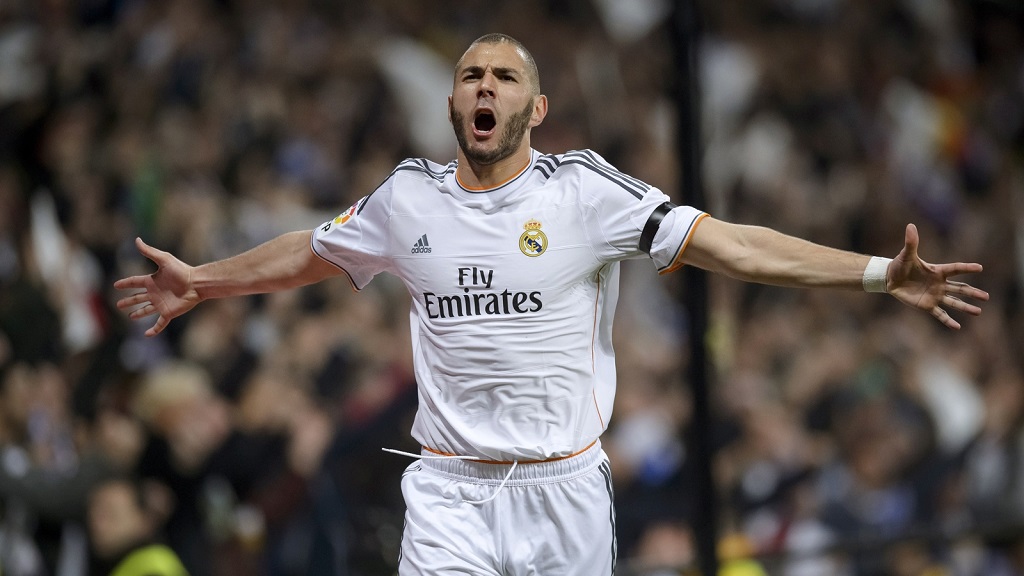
{"x": 911, "y": 242}
{"x": 148, "y": 251}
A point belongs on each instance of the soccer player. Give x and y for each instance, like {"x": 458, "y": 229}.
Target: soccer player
{"x": 510, "y": 257}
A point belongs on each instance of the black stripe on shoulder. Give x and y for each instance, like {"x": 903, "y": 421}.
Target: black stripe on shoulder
{"x": 437, "y": 176}
{"x": 366, "y": 198}
{"x": 627, "y": 183}
{"x": 603, "y": 165}
{"x": 601, "y": 162}
{"x": 415, "y": 165}
{"x": 447, "y": 169}
{"x": 590, "y": 166}
{"x": 550, "y": 160}
{"x": 421, "y": 165}
{"x": 547, "y": 164}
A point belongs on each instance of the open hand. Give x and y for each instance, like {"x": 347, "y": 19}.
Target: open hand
{"x": 167, "y": 292}
{"x": 928, "y": 287}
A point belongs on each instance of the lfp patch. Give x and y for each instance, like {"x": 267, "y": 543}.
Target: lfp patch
{"x": 347, "y": 215}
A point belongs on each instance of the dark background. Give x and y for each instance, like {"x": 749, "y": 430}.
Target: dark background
{"x": 852, "y": 435}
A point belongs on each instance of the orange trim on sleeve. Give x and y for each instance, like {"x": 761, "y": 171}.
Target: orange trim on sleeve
{"x": 677, "y": 262}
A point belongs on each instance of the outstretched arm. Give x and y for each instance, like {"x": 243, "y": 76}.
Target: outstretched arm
{"x": 757, "y": 254}
{"x": 285, "y": 262}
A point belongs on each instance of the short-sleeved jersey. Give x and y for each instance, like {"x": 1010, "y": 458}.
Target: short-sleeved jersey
{"x": 514, "y": 291}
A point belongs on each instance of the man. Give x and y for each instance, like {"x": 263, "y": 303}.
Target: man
{"x": 511, "y": 258}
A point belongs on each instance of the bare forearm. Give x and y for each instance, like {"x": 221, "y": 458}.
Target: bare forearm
{"x": 285, "y": 262}
{"x": 778, "y": 259}
{"x": 757, "y": 254}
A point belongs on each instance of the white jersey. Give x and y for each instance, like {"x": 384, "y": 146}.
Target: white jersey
{"x": 514, "y": 291}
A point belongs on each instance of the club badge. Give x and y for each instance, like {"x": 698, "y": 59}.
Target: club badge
{"x": 533, "y": 242}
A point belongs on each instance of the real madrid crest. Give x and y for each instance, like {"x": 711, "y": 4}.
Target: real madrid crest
{"x": 533, "y": 242}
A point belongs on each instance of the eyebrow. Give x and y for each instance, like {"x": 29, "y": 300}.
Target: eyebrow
{"x": 496, "y": 70}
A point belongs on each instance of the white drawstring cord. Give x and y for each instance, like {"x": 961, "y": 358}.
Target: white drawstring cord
{"x": 504, "y": 480}
{"x": 429, "y": 456}
{"x": 498, "y": 489}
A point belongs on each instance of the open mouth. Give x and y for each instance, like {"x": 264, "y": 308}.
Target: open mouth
{"x": 484, "y": 122}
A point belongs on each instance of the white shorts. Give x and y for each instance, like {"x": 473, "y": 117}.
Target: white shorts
{"x": 553, "y": 517}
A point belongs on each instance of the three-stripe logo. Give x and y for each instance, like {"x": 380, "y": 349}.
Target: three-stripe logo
{"x": 421, "y": 246}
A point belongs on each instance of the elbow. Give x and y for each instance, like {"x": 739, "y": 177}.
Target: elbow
{"x": 738, "y": 251}
{"x": 740, "y": 257}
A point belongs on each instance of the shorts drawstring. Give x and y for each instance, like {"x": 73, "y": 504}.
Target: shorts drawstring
{"x": 424, "y": 457}
{"x": 498, "y": 489}
{"x": 504, "y": 480}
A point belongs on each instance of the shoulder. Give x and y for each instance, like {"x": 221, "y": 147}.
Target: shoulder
{"x": 410, "y": 176}
{"x": 591, "y": 169}
{"x": 423, "y": 170}
{"x": 573, "y": 158}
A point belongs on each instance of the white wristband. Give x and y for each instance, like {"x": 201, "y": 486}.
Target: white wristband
{"x": 874, "y": 274}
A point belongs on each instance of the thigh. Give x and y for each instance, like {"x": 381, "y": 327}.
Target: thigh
{"x": 444, "y": 535}
{"x": 565, "y": 528}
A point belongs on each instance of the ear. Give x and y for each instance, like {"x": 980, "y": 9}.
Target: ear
{"x": 540, "y": 110}
{"x": 449, "y": 108}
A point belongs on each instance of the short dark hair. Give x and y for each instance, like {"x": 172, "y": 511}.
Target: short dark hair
{"x": 498, "y": 38}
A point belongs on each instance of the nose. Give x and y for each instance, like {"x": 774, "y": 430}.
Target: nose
{"x": 487, "y": 84}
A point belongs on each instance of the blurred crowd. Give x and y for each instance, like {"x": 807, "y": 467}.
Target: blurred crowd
{"x": 853, "y": 436}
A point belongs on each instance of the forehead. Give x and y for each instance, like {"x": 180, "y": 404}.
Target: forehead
{"x": 113, "y": 491}
{"x": 497, "y": 55}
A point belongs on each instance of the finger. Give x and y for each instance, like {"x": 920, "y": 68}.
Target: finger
{"x": 966, "y": 291}
{"x": 157, "y": 328}
{"x": 944, "y": 317}
{"x": 154, "y": 254}
{"x": 957, "y": 268}
{"x": 130, "y": 282}
{"x": 133, "y": 300}
{"x": 911, "y": 240}
{"x": 147, "y": 310}
{"x": 960, "y": 305}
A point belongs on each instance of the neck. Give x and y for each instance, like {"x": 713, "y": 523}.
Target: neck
{"x": 473, "y": 175}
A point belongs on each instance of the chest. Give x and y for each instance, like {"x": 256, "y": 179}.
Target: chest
{"x": 465, "y": 249}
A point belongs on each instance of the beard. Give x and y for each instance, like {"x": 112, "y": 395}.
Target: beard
{"x": 511, "y": 136}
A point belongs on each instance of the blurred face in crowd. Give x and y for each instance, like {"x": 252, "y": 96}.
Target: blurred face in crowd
{"x": 495, "y": 101}
{"x": 117, "y": 519}
{"x": 194, "y": 427}
{"x": 16, "y": 398}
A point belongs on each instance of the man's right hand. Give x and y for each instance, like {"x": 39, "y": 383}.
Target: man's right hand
{"x": 167, "y": 292}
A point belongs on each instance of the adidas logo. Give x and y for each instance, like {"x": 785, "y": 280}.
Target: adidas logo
{"x": 421, "y": 246}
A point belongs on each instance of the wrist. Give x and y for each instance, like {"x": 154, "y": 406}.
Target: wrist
{"x": 875, "y": 273}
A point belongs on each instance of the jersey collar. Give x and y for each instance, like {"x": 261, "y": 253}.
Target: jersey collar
{"x": 506, "y": 184}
